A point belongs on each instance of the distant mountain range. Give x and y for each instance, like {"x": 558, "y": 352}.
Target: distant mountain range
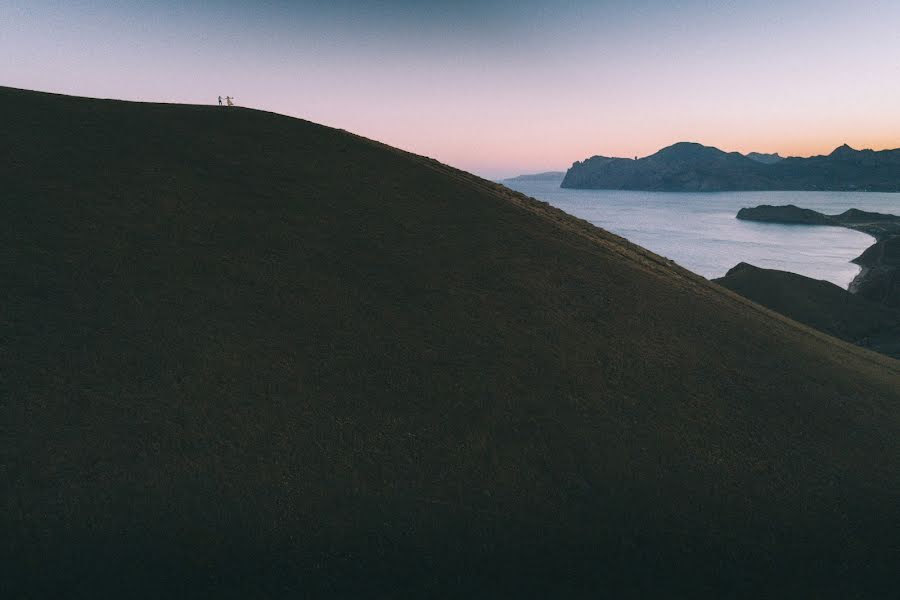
{"x": 545, "y": 176}
{"x": 691, "y": 167}
{"x": 766, "y": 159}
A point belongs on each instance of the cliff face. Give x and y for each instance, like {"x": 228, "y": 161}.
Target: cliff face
{"x": 879, "y": 279}
{"x": 685, "y": 167}
{"x": 689, "y": 167}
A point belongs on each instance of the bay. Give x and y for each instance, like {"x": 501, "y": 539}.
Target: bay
{"x": 699, "y": 231}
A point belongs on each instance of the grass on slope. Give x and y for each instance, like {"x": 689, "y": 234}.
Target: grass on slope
{"x": 247, "y": 355}
{"x": 819, "y": 304}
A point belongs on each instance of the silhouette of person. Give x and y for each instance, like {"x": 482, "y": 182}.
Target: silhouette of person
{"x": 229, "y": 99}
{"x": 220, "y": 100}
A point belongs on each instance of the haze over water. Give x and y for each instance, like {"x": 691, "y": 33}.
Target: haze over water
{"x": 699, "y": 231}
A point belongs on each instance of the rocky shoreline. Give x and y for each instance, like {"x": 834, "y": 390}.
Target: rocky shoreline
{"x": 866, "y": 314}
{"x": 879, "y": 279}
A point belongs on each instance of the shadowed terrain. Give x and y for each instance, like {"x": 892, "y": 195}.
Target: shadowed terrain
{"x": 819, "y": 304}
{"x": 879, "y": 278}
{"x": 244, "y": 355}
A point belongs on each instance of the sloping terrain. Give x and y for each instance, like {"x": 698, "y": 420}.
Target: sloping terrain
{"x": 819, "y": 304}
{"x": 244, "y": 355}
{"x": 879, "y": 279}
{"x": 765, "y": 158}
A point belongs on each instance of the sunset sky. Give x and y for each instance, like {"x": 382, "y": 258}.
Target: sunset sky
{"x": 496, "y": 87}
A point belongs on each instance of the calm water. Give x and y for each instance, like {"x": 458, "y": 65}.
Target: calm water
{"x": 700, "y": 231}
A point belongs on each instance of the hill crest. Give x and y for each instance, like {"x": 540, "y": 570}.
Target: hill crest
{"x": 246, "y": 352}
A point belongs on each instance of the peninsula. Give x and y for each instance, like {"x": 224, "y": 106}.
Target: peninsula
{"x": 819, "y": 304}
{"x": 545, "y": 176}
{"x": 692, "y": 167}
{"x": 879, "y": 278}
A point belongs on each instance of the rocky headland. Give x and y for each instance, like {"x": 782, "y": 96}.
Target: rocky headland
{"x": 788, "y": 214}
{"x": 879, "y": 279}
{"x": 692, "y": 167}
{"x": 545, "y": 176}
{"x": 821, "y": 305}
{"x": 866, "y": 314}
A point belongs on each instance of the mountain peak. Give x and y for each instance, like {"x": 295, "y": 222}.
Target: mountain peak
{"x": 843, "y": 150}
{"x": 765, "y": 158}
{"x": 693, "y": 167}
{"x": 688, "y": 150}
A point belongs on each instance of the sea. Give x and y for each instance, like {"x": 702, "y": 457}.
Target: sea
{"x": 699, "y": 231}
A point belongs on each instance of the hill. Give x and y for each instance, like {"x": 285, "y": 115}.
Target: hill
{"x": 879, "y": 279}
{"x": 819, "y": 304}
{"x": 691, "y": 167}
{"x": 244, "y": 355}
{"x": 546, "y": 176}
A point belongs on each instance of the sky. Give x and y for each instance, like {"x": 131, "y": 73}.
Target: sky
{"x": 497, "y": 87}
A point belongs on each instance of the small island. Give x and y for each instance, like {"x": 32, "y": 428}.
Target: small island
{"x": 879, "y": 225}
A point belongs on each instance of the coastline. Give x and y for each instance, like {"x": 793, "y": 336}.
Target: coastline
{"x": 865, "y": 271}
{"x": 879, "y": 264}
{"x": 699, "y": 232}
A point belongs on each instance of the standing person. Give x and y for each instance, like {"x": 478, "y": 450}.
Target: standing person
{"x": 229, "y": 99}
{"x": 220, "y": 100}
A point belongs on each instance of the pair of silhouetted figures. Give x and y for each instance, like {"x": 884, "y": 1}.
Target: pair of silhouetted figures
{"x": 228, "y": 99}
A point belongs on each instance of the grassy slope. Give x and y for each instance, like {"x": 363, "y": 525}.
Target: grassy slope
{"x": 819, "y": 304}
{"x": 242, "y": 352}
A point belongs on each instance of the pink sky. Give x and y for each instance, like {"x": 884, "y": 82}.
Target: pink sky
{"x": 496, "y": 87}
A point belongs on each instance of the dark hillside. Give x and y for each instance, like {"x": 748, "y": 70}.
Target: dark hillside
{"x": 246, "y": 355}
{"x": 819, "y": 304}
{"x": 879, "y": 279}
